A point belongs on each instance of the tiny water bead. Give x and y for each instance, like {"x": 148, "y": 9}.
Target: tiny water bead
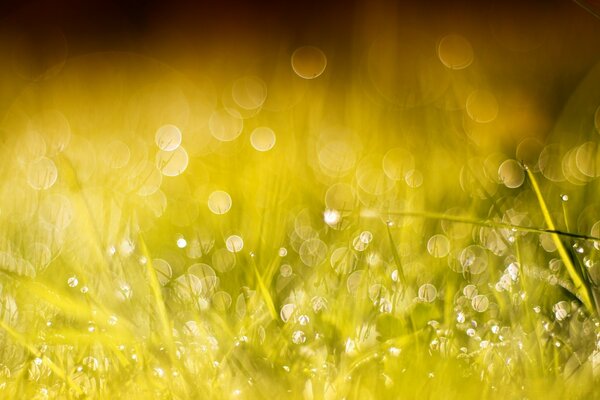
{"x": 181, "y": 242}
{"x": 262, "y": 139}
{"x": 331, "y": 217}
{"x": 482, "y": 106}
{"x": 286, "y": 312}
{"x": 298, "y": 337}
{"x": 308, "y": 62}
{"x": 168, "y": 137}
{"x": 73, "y": 281}
{"x": 282, "y": 252}
{"x": 365, "y": 237}
{"x": 219, "y": 202}
{"x": 561, "y": 310}
{"x": 564, "y": 197}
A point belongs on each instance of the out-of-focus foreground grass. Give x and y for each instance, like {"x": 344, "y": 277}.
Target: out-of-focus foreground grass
{"x": 410, "y": 230}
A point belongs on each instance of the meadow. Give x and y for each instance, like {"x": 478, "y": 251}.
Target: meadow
{"x": 301, "y": 224}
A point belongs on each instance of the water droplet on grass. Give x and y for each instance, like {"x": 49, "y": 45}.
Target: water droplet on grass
{"x": 72, "y": 281}
{"x": 438, "y": 246}
{"x": 427, "y": 293}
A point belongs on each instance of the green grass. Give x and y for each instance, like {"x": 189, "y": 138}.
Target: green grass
{"x": 339, "y": 290}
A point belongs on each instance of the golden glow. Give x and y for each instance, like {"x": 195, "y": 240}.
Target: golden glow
{"x": 378, "y": 200}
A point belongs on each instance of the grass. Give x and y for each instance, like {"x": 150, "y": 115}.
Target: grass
{"x": 337, "y": 271}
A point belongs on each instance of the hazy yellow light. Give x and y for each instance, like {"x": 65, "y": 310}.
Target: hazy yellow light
{"x": 482, "y": 106}
{"x": 249, "y": 92}
{"x": 225, "y": 125}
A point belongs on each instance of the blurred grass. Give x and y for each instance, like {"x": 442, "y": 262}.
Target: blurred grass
{"x": 388, "y": 243}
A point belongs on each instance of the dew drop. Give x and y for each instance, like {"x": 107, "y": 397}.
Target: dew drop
{"x": 73, "y": 281}
{"x": 480, "y": 303}
{"x": 298, "y": 337}
{"x": 427, "y": 293}
{"x": 438, "y": 246}
{"x": 42, "y": 174}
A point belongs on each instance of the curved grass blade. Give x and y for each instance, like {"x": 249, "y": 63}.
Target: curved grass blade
{"x": 581, "y": 289}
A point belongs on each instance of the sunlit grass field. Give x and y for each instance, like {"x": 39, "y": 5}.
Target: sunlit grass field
{"x": 300, "y": 225}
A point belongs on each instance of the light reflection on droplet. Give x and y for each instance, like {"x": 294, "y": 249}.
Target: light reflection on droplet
{"x": 298, "y": 337}
{"x": 308, "y": 62}
{"x": 427, "y": 293}
{"x": 223, "y": 260}
{"x": 511, "y": 174}
{"x": 455, "y": 52}
{"x": 561, "y": 310}
{"x": 438, "y": 246}
{"x": 397, "y": 162}
{"x": 163, "y": 270}
{"x": 331, "y": 217}
{"x": 42, "y": 174}
{"x": 181, "y": 242}
{"x": 234, "y": 243}
{"x": 286, "y": 270}
{"x": 480, "y": 303}
{"x": 73, "y": 281}
{"x": 313, "y": 252}
{"x": 172, "y": 163}
{"x": 286, "y": 312}
{"x": 219, "y": 202}
{"x": 168, "y": 137}
{"x": 262, "y": 138}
